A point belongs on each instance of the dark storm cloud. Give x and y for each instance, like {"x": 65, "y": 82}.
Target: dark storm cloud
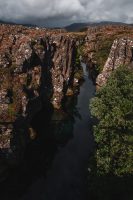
{"x": 60, "y": 12}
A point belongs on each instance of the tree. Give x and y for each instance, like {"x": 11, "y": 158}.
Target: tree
{"x": 113, "y": 108}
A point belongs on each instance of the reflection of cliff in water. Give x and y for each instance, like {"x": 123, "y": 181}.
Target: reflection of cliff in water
{"x": 57, "y": 160}
{"x": 54, "y": 129}
{"x": 63, "y": 120}
{"x": 67, "y": 176}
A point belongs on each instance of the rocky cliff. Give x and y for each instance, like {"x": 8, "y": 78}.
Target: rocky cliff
{"x": 39, "y": 67}
{"x": 36, "y": 66}
{"x": 98, "y": 43}
{"x": 121, "y": 53}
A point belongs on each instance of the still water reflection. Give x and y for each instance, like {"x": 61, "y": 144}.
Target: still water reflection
{"x": 67, "y": 177}
{"x": 55, "y": 165}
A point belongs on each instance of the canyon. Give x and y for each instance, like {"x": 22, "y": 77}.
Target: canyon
{"x": 40, "y": 67}
{"x": 37, "y": 66}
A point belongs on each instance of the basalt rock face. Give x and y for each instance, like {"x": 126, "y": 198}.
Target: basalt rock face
{"x": 36, "y": 66}
{"x": 121, "y": 54}
{"x": 98, "y": 43}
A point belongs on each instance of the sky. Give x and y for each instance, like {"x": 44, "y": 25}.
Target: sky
{"x": 63, "y": 12}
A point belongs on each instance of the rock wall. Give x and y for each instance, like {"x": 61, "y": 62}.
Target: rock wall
{"x": 98, "y": 35}
{"x": 121, "y": 54}
{"x": 98, "y": 43}
{"x": 36, "y": 66}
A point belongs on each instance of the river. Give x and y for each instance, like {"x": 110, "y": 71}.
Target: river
{"x": 67, "y": 155}
{"x": 67, "y": 177}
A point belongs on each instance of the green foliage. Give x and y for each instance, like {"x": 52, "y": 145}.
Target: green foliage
{"x": 11, "y": 112}
{"x": 33, "y": 42}
{"x": 77, "y": 61}
{"x": 79, "y": 74}
{"x": 113, "y": 107}
{"x": 41, "y": 47}
{"x": 102, "y": 54}
{"x": 78, "y": 54}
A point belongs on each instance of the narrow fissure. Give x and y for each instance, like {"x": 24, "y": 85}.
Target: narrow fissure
{"x": 56, "y": 162}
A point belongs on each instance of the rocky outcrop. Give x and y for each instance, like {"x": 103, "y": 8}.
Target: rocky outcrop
{"x": 98, "y": 43}
{"x": 97, "y": 37}
{"x": 36, "y": 66}
{"x": 121, "y": 54}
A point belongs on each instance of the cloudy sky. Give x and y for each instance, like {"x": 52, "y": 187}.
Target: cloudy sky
{"x": 63, "y": 12}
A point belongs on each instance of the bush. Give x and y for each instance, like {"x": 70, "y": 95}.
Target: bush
{"x": 113, "y": 108}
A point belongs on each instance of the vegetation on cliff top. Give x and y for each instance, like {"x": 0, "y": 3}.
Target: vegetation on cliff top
{"x": 103, "y": 52}
{"x": 113, "y": 108}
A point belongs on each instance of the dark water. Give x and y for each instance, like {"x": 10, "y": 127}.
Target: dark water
{"x": 56, "y": 164}
{"x": 66, "y": 179}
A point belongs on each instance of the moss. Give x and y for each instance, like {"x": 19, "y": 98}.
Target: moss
{"x": 78, "y": 74}
{"x": 33, "y": 42}
{"x": 103, "y": 52}
{"x": 13, "y": 66}
{"x": 77, "y": 57}
{"x": 11, "y": 111}
{"x": 40, "y": 46}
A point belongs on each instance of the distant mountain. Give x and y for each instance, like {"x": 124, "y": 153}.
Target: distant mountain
{"x": 83, "y": 26}
{"x": 6, "y": 22}
{"x": 76, "y": 26}
{"x": 13, "y": 23}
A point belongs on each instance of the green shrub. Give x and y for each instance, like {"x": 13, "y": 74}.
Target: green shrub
{"x": 113, "y": 108}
